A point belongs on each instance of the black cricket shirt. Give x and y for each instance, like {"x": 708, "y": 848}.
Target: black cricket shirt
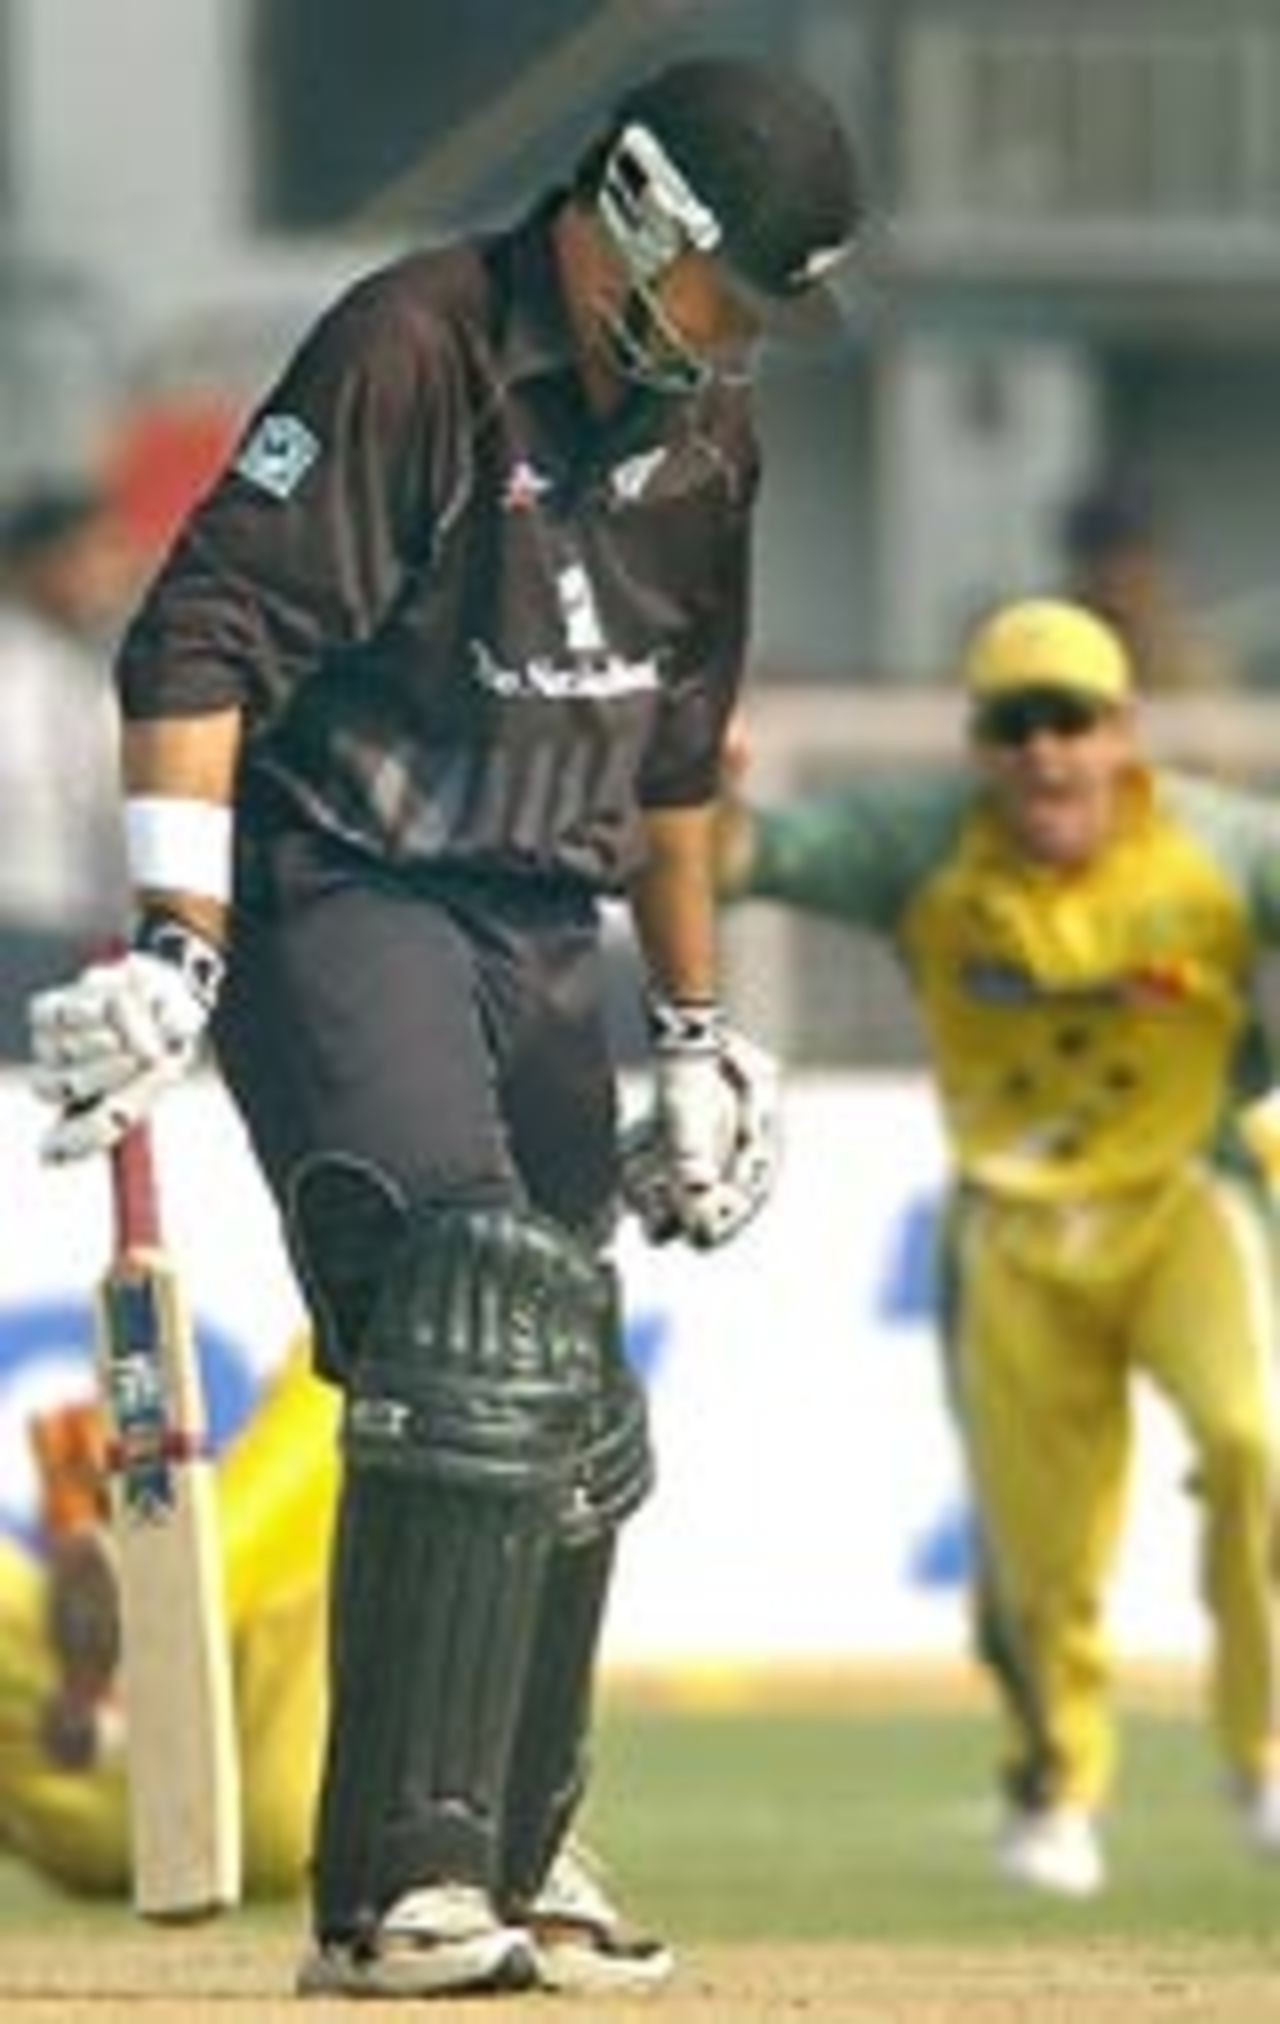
{"x": 468, "y": 624}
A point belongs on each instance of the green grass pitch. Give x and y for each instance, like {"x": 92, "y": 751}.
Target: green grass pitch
{"x": 820, "y": 1826}
{"x": 810, "y": 1826}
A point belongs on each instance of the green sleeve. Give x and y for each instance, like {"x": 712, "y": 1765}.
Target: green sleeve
{"x": 1241, "y": 829}
{"x": 859, "y": 852}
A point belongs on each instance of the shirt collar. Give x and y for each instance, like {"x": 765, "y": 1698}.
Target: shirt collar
{"x": 535, "y": 335}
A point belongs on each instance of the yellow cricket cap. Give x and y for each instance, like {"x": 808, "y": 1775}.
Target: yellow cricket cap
{"x": 1047, "y": 643}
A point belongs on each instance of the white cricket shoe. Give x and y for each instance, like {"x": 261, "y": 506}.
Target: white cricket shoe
{"x": 581, "y": 1942}
{"x": 441, "y": 1939}
{"x": 1053, "y": 1848}
{"x": 1261, "y": 1812}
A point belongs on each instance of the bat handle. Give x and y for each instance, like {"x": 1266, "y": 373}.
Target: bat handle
{"x": 134, "y": 1194}
{"x": 135, "y": 1198}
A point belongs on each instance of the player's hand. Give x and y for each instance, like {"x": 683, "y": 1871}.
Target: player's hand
{"x": 704, "y": 1161}
{"x": 106, "y": 1045}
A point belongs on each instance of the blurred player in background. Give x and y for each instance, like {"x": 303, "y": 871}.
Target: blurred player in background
{"x": 1120, "y": 565}
{"x": 66, "y": 575}
{"x": 450, "y": 648}
{"x": 1082, "y": 934}
{"x": 62, "y": 1794}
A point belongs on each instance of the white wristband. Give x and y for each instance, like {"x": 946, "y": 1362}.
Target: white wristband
{"x": 175, "y": 844}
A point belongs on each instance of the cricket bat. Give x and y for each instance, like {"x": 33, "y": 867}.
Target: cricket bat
{"x": 179, "y": 1707}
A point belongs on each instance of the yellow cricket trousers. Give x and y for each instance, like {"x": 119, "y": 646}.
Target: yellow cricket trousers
{"x": 1053, "y": 1313}
{"x": 277, "y": 1486}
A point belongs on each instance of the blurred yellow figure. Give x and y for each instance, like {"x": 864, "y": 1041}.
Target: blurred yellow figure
{"x": 277, "y": 1485}
{"x": 1083, "y": 932}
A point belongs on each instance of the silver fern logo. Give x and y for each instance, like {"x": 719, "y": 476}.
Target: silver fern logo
{"x": 278, "y": 455}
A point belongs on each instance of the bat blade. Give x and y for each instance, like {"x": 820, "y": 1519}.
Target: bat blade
{"x": 183, "y": 1762}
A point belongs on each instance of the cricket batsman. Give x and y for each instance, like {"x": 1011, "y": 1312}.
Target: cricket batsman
{"x": 438, "y": 668}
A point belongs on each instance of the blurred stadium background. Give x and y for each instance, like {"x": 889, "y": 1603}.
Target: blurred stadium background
{"x": 1072, "y": 278}
{"x": 1071, "y": 282}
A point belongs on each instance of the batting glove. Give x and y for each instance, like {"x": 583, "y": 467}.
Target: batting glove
{"x": 704, "y": 1161}
{"x": 106, "y": 1045}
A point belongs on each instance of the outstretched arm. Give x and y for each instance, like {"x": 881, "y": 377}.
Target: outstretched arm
{"x": 856, "y": 853}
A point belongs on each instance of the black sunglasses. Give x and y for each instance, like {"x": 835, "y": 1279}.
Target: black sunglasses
{"x": 1015, "y": 719}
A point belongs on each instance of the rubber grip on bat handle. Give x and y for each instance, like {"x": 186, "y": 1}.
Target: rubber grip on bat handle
{"x": 135, "y": 1199}
{"x": 134, "y": 1195}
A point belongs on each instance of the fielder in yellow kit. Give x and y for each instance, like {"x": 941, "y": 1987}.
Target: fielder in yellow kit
{"x": 277, "y": 1485}
{"x": 1082, "y": 932}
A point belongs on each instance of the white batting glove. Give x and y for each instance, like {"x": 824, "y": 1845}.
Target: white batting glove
{"x": 704, "y": 1161}
{"x": 106, "y": 1045}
